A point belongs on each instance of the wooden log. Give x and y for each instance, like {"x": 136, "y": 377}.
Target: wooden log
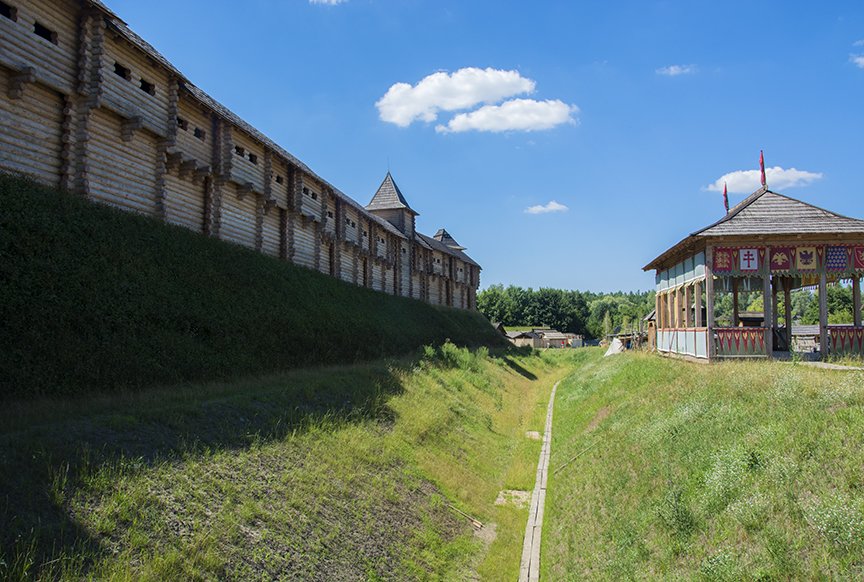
{"x": 709, "y": 301}
{"x": 697, "y": 292}
{"x": 768, "y": 312}
{"x": 787, "y": 299}
{"x": 735, "y": 309}
{"x": 856, "y": 299}
{"x": 823, "y": 315}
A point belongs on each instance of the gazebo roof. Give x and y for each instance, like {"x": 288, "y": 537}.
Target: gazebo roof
{"x": 767, "y": 213}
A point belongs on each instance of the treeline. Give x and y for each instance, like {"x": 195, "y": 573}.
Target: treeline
{"x": 596, "y": 314}
{"x": 590, "y": 314}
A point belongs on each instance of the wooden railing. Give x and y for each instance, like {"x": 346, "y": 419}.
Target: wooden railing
{"x": 740, "y": 342}
{"x": 691, "y": 341}
{"x": 846, "y": 339}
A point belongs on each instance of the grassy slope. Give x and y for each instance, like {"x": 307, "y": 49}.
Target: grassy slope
{"x": 92, "y": 298}
{"x": 735, "y": 471}
{"x": 342, "y": 473}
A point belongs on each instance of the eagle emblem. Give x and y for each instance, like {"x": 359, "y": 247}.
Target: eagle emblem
{"x": 806, "y": 258}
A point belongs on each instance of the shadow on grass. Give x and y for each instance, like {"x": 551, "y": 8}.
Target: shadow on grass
{"x": 507, "y": 357}
{"x": 46, "y": 446}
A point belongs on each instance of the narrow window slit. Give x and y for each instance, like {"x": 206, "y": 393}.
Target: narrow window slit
{"x": 8, "y": 11}
{"x": 44, "y": 32}
{"x": 122, "y": 71}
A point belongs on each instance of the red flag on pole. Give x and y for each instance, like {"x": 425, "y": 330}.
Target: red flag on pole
{"x": 725, "y": 198}
{"x": 762, "y": 167}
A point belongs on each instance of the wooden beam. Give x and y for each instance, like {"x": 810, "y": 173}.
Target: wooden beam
{"x": 735, "y": 319}
{"x": 676, "y": 316}
{"x": 709, "y": 300}
{"x": 856, "y": 300}
{"x": 768, "y": 316}
{"x": 688, "y": 301}
{"x": 787, "y": 298}
{"x": 775, "y": 305}
{"x": 823, "y": 315}
{"x": 697, "y": 294}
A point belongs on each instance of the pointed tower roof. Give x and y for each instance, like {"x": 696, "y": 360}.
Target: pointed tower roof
{"x": 389, "y": 197}
{"x": 444, "y": 237}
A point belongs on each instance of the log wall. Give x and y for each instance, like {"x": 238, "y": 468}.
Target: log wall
{"x": 33, "y": 126}
{"x": 88, "y": 106}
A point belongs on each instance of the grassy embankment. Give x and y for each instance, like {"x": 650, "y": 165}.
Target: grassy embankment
{"x": 330, "y": 474}
{"x": 745, "y": 470}
{"x": 95, "y": 299}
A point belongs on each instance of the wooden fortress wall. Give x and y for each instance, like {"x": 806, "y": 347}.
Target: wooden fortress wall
{"x": 87, "y": 106}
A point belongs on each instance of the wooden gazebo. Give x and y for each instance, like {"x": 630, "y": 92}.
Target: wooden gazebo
{"x": 768, "y": 242}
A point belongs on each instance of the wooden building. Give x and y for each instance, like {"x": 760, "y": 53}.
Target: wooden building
{"x": 524, "y": 338}
{"x": 768, "y": 242}
{"x": 88, "y": 106}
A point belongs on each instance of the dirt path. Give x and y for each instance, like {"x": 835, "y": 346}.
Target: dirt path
{"x": 530, "y": 568}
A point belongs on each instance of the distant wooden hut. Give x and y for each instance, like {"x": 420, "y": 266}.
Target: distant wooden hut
{"x": 524, "y": 339}
{"x": 769, "y": 242}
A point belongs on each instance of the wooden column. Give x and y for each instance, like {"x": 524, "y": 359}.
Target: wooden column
{"x": 823, "y": 315}
{"x": 856, "y": 300}
{"x": 688, "y": 301}
{"x": 787, "y": 299}
{"x": 709, "y": 301}
{"x": 656, "y": 309}
{"x": 768, "y": 316}
{"x": 735, "y": 319}
{"x": 775, "y": 305}
{"x": 676, "y": 309}
{"x": 697, "y": 311}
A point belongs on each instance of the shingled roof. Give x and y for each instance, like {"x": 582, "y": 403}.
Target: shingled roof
{"x": 443, "y": 236}
{"x": 768, "y": 213}
{"x": 389, "y": 197}
{"x": 437, "y": 245}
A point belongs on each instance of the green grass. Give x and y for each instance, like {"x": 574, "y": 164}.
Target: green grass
{"x": 96, "y": 299}
{"x": 733, "y": 471}
{"x": 344, "y": 473}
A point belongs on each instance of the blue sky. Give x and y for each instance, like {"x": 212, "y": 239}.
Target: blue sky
{"x": 623, "y": 112}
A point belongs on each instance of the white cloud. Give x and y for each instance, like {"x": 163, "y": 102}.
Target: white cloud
{"x": 675, "y": 70}
{"x": 328, "y": 2}
{"x": 513, "y": 115}
{"x": 858, "y": 60}
{"x": 858, "y": 42}
{"x": 403, "y": 104}
{"x": 551, "y": 206}
{"x": 748, "y": 181}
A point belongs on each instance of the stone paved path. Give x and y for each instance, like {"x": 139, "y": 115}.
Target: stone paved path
{"x": 530, "y": 569}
